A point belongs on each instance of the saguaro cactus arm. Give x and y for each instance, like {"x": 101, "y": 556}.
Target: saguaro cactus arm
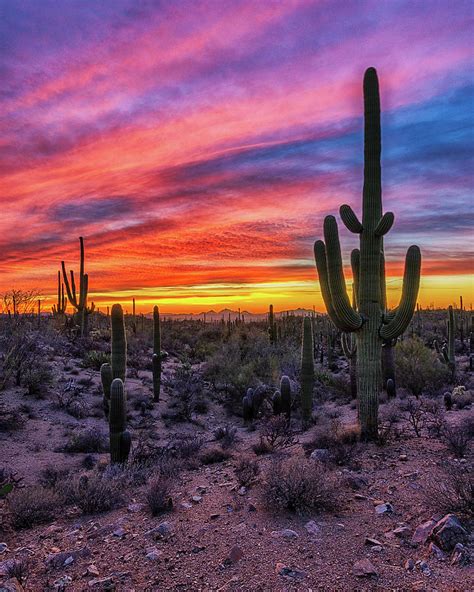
{"x": 411, "y": 284}
{"x": 386, "y": 222}
{"x": 337, "y": 284}
{"x": 350, "y": 219}
{"x": 355, "y": 265}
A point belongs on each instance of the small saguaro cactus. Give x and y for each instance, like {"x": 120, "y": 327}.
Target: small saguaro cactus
{"x": 307, "y": 373}
{"x": 285, "y": 396}
{"x": 120, "y": 439}
{"x": 106, "y": 379}
{"x": 156, "y": 354}
{"x": 119, "y": 343}
{"x": 370, "y": 321}
{"x": 447, "y": 350}
{"x": 247, "y": 406}
{"x": 79, "y": 302}
{"x": 272, "y": 330}
{"x": 276, "y": 403}
{"x": 60, "y": 307}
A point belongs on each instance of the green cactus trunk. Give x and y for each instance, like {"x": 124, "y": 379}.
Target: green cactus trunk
{"x": 369, "y": 320}
{"x": 307, "y": 373}
{"x": 156, "y": 354}
{"x": 106, "y": 379}
{"x": 272, "y": 332}
{"x": 119, "y": 343}
{"x": 285, "y": 396}
{"x": 448, "y": 351}
{"x": 120, "y": 439}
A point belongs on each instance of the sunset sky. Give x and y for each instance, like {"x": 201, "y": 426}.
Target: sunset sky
{"x": 198, "y": 145}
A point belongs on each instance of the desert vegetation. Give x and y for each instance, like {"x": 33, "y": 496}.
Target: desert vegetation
{"x": 328, "y": 448}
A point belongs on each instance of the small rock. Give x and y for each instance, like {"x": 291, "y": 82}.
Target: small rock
{"x": 286, "y": 533}
{"x": 359, "y": 496}
{"x": 422, "y": 532}
{"x": 3, "y": 548}
{"x": 448, "y": 532}
{"x": 409, "y": 565}
{"x": 120, "y": 533}
{"x": 401, "y": 532}
{"x": 61, "y": 584}
{"x": 152, "y": 554}
{"x": 162, "y": 531}
{"x": 385, "y": 508}
{"x": 364, "y": 569}
{"x": 423, "y": 567}
{"x": 288, "y": 572}
{"x": 92, "y": 570}
{"x": 378, "y": 502}
{"x": 321, "y": 454}
{"x": 377, "y": 549}
{"x": 252, "y": 508}
{"x": 102, "y": 583}
{"x": 196, "y": 499}
{"x": 356, "y": 482}
{"x": 312, "y": 528}
{"x": 201, "y": 489}
{"x": 235, "y": 554}
{"x": 461, "y": 555}
{"x": 185, "y": 506}
{"x": 436, "y": 552}
{"x": 11, "y": 585}
{"x": 68, "y": 561}
{"x": 403, "y": 457}
{"x": 214, "y": 516}
{"x": 372, "y": 542}
{"x": 242, "y": 490}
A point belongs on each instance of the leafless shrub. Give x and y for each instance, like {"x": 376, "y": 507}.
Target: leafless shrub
{"x": 87, "y": 440}
{"x": 186, "y": 446}
{"x": 93, "y": 493}
{"x": 340, "y": 441}
{"x": 457, "y": 438}
{"x": 226, "y": 435}
{"x": 276, "y": 434}
{"x": 414, "y": 413}
{"x": 158, "y": 495}
{"x": 213, "y": 455}
{"x": 453, "y": 491}
{"x": 247, "y": 471}
{"x": 299, "y": 485}
{"x": 31, "y": 506}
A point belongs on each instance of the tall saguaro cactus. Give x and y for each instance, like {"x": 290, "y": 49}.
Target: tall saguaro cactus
{"x": 448, "y": 350}
{"x": 60, "y": 307}
{"x": 307, "y": 373}
{"x": 156, "y": 364}
{"x": 119, "y": 343}
{"x": 272, "y": 331}
{"x": 79, "y": 302}
{"x": 371, "y": 323}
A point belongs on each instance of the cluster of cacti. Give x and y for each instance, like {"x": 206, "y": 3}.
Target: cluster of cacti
{"x": 281, "y": 399}
{"x": 272, "y": 330}
{"x": 60, "y": 307}
{"x": 156, "y": 363}
{"x": 369, "y": 320}
{"x": 252, "y": 402}
{"x": 307, "y": 373}
{"x": 120, "y": 439}
{"x": 79, "y": 302}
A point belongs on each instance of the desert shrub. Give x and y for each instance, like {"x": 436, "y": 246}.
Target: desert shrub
{"x": 414, "y": 414}
{"x": 50, "y": 476}
{"x": 36, "y": 378}
{"x": 87, "y": 440}
{"x": 93, "y": 493}
{"x": 299, "y": 485}
{"x": 32, "y": 506}
{"x": 186, "y": 390}
{"x": 247, "y": 471}
{"x": 452, "y": 491}
{"x": 418, "y": 368}
{"x": 10, "y": 419}
{"x": 186, "y": 446}
{"x": 213, "y": 455}
{"x": 226, "y": 435}
{"x": 94, "y": 359}
{"x": 461, "y": 398}
{"x": 341, "y": 442}
{"x": 158, "y": 495}
{"x": 457, "y": 437}
{"x": 140, "y": 400}
{"x": 276, "y": 434}
{"x": 389, "y": 416}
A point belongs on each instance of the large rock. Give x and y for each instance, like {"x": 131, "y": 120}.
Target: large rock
{"x": 422, "y": 532}
{"x": 448, "y": 532}
{"x": 364, "y": 569}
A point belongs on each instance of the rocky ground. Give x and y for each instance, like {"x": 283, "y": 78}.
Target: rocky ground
{"x": 384, "y": 534}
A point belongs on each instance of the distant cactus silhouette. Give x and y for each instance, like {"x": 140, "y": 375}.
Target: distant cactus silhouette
{"x": 156, "y": 363}
{"x": 120, "y": 439}
{"x": 370, "y": 322}
{"x": 272, "y": 330}
{"x": 60, "y": 307}
{"x": 79, "y": 302}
